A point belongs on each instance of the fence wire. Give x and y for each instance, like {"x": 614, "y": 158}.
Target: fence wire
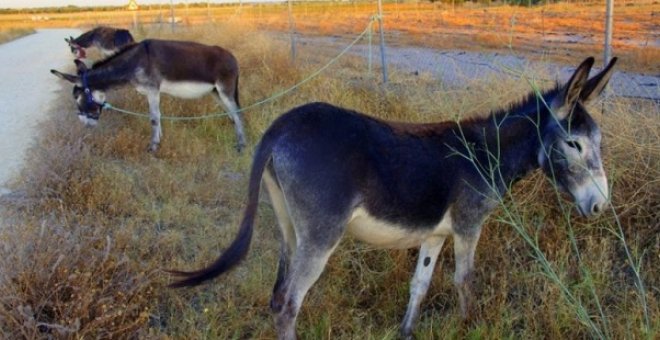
{"x": 454, "y": 41}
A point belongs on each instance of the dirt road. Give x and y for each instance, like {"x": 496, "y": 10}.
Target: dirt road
{"x": 26, "y": 90}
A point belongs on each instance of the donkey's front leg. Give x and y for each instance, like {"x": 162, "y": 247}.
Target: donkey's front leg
{"x": 464, "y": 248}
{"x": 428, "y": 254}
{"x": 154, "y": 116}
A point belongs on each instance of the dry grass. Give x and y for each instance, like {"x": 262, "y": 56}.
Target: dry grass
{"x": 94, "y": 218}
{"x": 9, "y": 34}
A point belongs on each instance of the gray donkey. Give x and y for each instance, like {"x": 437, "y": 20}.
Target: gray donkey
{"x": 330, "y": 171}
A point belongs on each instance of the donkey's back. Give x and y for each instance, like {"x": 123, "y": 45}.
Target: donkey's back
{"x": 189, "y": 61}
{"x": 364, "y": 166}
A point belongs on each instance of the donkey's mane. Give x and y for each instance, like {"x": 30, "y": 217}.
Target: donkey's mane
{"x": 529, "y": 104}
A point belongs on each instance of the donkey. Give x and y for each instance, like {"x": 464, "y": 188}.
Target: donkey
{"x": 107, "y": 39}
{"x": 179, "y": 68}
{"x": 331, "y": 171}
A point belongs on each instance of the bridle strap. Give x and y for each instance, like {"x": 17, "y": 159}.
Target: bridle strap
{"x": 86, "y": 89}
{"x": 88, "y": 92}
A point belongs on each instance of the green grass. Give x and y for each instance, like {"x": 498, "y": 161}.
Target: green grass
{"x": 94, "y": 219}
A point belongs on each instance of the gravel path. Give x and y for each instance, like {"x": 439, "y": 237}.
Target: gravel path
{"x": 455, "y": 67}
{"x": 26, "y": 90}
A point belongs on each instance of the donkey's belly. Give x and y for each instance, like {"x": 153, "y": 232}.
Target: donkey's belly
{"x": 383, "y": 234}
{"x": 186, "y": 89}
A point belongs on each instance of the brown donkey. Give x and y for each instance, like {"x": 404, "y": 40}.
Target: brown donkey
{"x": 330, "y": 171}
{"x": 179, "y": 68}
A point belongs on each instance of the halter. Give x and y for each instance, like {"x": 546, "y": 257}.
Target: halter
{"x": 88, "y": 92}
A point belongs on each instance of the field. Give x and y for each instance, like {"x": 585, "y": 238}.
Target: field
{"x": 94, "y": 218}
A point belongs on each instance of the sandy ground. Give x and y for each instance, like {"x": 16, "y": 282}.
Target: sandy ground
{"x": 26, "y": 90}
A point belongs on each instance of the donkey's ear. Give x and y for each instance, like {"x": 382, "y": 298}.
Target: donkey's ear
{"x": 68, "y": 77}
{"x": 80, "y": 65}
{"x": 596, "y": 85}
{"x": 568, "y": 96}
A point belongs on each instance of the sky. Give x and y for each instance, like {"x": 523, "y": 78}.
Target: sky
{"x": 63, "y": 3}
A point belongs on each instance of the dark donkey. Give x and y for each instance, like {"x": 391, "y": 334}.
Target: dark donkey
{"x": 179, "y": 68}
{"x": 107, "y": 39}
{"x": 330, "y": 171}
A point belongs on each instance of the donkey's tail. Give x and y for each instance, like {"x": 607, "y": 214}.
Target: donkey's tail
{"x": 239, "y": 247}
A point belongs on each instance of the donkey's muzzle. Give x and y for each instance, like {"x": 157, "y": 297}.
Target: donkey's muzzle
{"x": 88, "y": 121}
{"x": 592, "y": 206}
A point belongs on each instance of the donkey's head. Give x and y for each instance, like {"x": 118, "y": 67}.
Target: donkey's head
{"x": 90, "y": 101}
{"x": 571, "y": 140}
{"x": 77, "y": 50}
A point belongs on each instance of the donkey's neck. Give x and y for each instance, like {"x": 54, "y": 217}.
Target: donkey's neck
{"x": 116, "y": 70}
{"x": 512, "y": 138}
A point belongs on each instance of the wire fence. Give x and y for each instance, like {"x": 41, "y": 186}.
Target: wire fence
{"x": 454, "y": 41}
{"x": 457, "y": 41}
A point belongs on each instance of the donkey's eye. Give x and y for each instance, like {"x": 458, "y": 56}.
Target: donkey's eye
{"x": 575, "y": 145}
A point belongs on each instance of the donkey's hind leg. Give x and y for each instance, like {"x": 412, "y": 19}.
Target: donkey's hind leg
{"x": 306, "y": 267}
{"x": 464, "y": 248}
{"x": 288, "y": 241}
{"x": 428, "y": 254}
{"x": 317, "y": 235}
{"x": 226, "y": 95}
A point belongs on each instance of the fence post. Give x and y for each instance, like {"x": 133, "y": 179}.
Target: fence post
{"x": 172, "y": 14}
{"x": 608, "y": 31}
{"x": 292, "y": 32}
{"x": 382, "y": 40}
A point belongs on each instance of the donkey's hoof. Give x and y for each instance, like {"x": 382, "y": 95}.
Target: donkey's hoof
{"x": 153, "y": 147}
{"x": 240, "y": 147}
{"x": 471, "y": 319}
{"x": 406, "y": 334}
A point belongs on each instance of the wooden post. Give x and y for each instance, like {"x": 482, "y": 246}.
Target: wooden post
{"x": 608, "y": 31}
{"x": 172, "y": 14}
{"x": 292, "y": 32}
{"x": 382, "y": 40}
